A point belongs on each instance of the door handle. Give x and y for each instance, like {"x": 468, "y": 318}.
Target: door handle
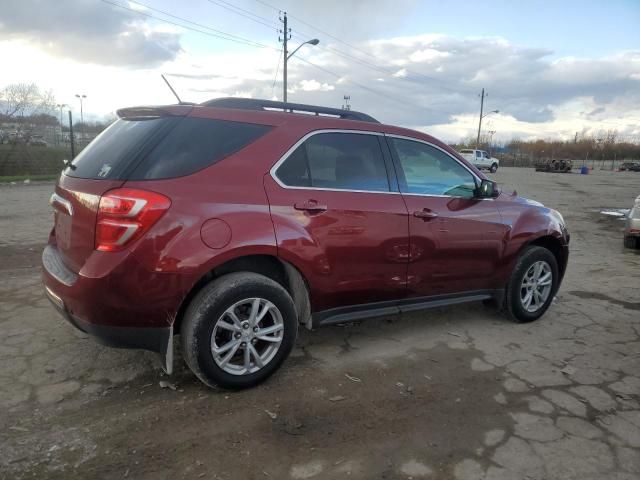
{"x": 310, "y": 206}
{"x": 425, "y": 214}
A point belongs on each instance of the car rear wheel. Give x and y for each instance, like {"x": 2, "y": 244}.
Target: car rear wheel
{"x": 494, "y": 168}
{"x": 238, "y": 330}
{"x": 532, "y": 286}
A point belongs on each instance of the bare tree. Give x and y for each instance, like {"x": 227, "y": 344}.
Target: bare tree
{"x": 18, "y": 99}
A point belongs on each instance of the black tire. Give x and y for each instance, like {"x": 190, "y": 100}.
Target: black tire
{"x": 494, "y": 168}
{"x": 513, "y": 306}
{"x": 632, "y": 242}
{"x": 209, "y": 305}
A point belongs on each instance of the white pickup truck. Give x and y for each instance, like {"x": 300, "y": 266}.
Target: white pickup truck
{"x": 481, "y": 159}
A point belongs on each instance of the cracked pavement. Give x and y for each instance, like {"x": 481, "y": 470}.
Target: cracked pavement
{"x": 456, "y": 393}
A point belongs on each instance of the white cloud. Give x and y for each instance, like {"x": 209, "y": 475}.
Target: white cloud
{"x": 314, "y": 85}
{"x": 89, "y": 31}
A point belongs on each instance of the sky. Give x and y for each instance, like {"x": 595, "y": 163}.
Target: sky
{"x": 550, "y": 68}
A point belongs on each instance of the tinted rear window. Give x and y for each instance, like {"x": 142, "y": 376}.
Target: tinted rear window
{"x": 196, "y": 143}
{"x": 162, "y": 147}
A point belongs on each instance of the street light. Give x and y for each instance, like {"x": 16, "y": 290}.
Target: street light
{"x": 81, "y": 97}
{"x": 61, "y": 106}
{"x": 287, "y": 56}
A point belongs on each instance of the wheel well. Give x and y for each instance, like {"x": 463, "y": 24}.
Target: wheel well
{"x": 272, "y": 267}
{"x": 555, "y": 247}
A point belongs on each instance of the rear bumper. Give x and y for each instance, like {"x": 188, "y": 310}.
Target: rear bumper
{"x": 122, "y": 305}
{"x": 155, "y": 339}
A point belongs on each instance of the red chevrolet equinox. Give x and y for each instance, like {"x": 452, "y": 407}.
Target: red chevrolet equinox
{"x": 232, "y": 222}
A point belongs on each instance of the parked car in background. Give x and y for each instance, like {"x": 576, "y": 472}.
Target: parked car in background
{"x": 630, "y": 166}
{"x": 232, "y": 222}
{"x": 481, "y": 159}
{"x": 555, "y": 165}
{"x": 37, "y": 141}
{"x": 632, "y": 228}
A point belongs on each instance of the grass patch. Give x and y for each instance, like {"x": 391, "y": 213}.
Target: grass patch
{"x": 22, "y": 178}
{"x": 29, "y": 161}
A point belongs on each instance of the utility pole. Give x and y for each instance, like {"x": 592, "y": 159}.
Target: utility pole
{"x": 482, "y": 95}
{"x": 347, "y": 99}
{"x": 286, "y": 36}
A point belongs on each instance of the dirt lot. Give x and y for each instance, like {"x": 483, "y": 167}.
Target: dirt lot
{"x": 453, "y": 393}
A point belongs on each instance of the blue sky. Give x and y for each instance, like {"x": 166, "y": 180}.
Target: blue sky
{"x": 551, "y": 67}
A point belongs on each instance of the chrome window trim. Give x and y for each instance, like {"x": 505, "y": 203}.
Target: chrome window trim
{"x": 288, "y": 153}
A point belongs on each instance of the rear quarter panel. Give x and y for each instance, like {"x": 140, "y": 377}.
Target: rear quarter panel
{"x": 227, "y": 199}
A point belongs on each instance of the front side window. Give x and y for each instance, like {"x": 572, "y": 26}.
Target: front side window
{"x": 430, "y": 171}
{"x": 341, "y": 161}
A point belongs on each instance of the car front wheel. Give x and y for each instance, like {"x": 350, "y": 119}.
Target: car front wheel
{"x": 494, "y": 168}
{"x": 532, "y": 286}
{"x": 238, "y": 330}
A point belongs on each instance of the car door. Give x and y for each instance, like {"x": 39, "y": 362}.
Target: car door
{"x": 455, "y": 238}
{"x": 339, "y": 219}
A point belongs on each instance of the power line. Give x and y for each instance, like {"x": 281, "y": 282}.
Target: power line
{"x": 369, "y": 89}
{"x": 364, "y": 62}
{"x": 244, "y": 13}
{"x": 212, "y": 31}
{"x": 275, "y": 77}
{"x": 372, "y": 66}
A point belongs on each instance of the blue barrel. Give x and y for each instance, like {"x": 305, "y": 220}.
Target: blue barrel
{"x": 584, "y": 170}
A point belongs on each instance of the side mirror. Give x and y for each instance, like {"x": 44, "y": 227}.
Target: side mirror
{"x": 487, "y": 189}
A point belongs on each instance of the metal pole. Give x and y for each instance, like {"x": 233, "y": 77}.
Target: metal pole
{"x": 61, "y": 132}
{"x": 73, "y": 150}
{"x": 82, "y": 119}
{"x": 285, "y": 53}
{"x": 480, "y": 122}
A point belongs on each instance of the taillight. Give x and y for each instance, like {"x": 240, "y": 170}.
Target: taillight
{"x": 125, "y": 214}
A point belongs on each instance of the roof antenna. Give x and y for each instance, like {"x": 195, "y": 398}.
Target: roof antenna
{"x": 171, "y": 88}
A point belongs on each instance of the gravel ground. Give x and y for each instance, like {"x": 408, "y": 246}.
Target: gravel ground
{"x": 452, "y": 393}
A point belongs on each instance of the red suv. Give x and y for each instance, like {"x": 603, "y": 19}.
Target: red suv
{"x": 232, "y": 222}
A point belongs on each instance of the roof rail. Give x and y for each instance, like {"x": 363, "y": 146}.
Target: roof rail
{"x": 257, "y": 104}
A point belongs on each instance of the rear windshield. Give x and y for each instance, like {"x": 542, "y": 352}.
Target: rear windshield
{"x": 466, "y": 151}
{"x": 166, "y": 147}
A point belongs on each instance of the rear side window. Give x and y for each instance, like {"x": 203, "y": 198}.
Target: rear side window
{"x": 342, "y": 161}
{"x": 193, "y": 144}
{"x": 160, "y": 148}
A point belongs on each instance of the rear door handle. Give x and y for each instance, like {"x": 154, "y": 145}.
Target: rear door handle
{"x": 310, "y": 206}
{"x": 425, "y": 214}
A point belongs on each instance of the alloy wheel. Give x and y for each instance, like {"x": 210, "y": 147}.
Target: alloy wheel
{"x": 247, "y": 336}
{"x": 536, "y": 286}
